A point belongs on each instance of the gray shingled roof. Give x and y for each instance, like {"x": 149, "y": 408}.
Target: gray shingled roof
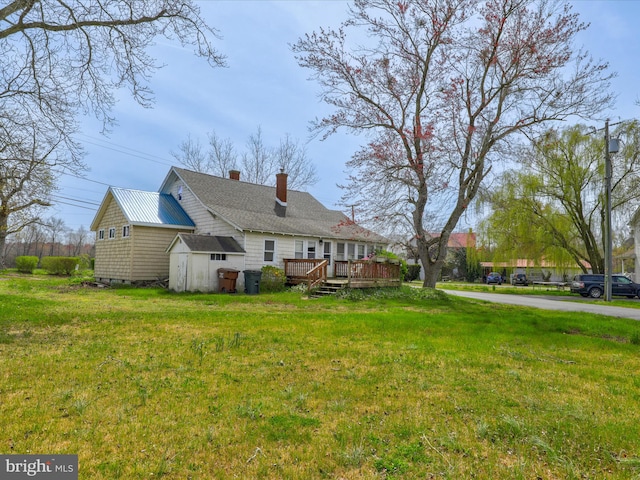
{"x": 252, "y": 207}
{"x": 211, "y": 243}
{"x": 151, "y": 208}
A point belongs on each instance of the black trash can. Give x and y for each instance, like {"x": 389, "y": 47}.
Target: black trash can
{"x": 252, "y": 281}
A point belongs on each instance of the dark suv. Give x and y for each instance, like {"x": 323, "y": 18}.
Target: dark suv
{"x": 592, "y": 285}
{"x": 519, "y": 279}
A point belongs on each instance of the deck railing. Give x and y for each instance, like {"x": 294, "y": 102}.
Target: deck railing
{"x": 312, "y": 271}
{"x": 359, "y": 273}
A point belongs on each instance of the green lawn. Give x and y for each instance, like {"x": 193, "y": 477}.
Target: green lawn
{"x": 409, "y": 383}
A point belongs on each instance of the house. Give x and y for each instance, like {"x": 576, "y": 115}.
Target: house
{"x": 201, "y": 223}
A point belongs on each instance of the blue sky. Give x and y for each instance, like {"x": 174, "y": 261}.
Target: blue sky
{"x": 264, "y": 87}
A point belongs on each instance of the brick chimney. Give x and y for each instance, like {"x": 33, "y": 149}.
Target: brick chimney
{"x": 281, "y": 188}
{"x": 234, "y": 174}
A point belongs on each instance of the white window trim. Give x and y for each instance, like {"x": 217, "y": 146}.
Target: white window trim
{"x": 126, "y": 231}
{"x": 101, "y": 234}
{"x": 312, "y": 244}
{"x": 274, "y": 251}
{"x": 112, "y": 230}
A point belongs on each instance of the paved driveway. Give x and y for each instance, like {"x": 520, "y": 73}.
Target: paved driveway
{"x": 552, "y": 303}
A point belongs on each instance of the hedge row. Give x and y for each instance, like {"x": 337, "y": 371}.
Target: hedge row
{"x": 26, "y": 264}
{"x": 60, "y": 265}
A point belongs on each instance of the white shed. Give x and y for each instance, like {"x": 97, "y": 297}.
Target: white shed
{"x": 195, "y": 261}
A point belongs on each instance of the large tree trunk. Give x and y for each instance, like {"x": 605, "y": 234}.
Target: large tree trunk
{"x": 4, "y": 222}
{"x": 432, "y": 254}
{"x": 432, "y": 274}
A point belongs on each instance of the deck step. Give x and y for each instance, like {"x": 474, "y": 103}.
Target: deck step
{"x": 328, "y": 288}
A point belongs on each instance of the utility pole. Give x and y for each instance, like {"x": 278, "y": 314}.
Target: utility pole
{"x": 610, "y": 146}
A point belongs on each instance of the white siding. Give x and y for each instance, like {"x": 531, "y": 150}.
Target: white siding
{"x": 205, "y": 223}
{"x": 196, "y": 272}
{"x": 254, "y": 246}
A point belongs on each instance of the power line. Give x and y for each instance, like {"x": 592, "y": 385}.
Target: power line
{"x": 81, "y": 177}
{"x": 74, "y": 205}
{"x": 126, "y": 150}
{"x": 82, "y": 200}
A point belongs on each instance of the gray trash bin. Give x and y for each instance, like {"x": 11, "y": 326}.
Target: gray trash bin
{"x": 252, "y": 281}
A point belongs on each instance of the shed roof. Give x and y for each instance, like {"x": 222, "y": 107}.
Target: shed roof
{"x": 209, "y": 243}
{"x": 146, "y": 208}
{"x": 253, "y": 208}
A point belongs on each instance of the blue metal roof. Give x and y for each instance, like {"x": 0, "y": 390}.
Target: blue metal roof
{"x": 151, "y": 208}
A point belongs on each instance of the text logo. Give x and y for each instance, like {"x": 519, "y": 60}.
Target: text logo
{"x": 45, "y": 467}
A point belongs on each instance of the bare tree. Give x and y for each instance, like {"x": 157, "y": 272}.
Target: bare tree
{"x": 222, "y": 155}
{"x": 218, "y": 160}
{"x": 440, "y": 88}
{"x": 29, "y": 239}
{"x": 291, "y": 157}
{"x": 190, "y": 155}
{"x": 259, "y": 163}
{"x": 29, "y": 151}
{"x": 77, "y": 240}
{"x": 57, "y": 230}
{"x": 62, "y": 58}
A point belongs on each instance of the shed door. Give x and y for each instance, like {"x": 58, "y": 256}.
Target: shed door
{"x": 182, "y": 279}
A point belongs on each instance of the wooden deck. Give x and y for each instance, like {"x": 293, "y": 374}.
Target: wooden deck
{"x": 351, "y": 273}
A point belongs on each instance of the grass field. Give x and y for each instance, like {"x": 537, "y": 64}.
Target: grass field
{"x": 408, "y": 383}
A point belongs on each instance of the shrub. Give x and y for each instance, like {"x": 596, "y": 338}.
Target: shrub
{"x": 401, "y": 293}
{"x": 26, "y": 264}
{"x": 85, "y": 262}
{"x": 391, "y": 255}
{"x": 413, "y": 273}
{"x": 273, "y": 279}
{"x": 59, "y": 265}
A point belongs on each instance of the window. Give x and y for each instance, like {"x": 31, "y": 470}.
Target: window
{"x": 219, "y": 256}
{"x": 112, "y": 232}
{"x": 340, "y": 254}
{"x": 361, "y": 252}
{"x": 351, "y": 251}
{"x": 269, "y": 250}
{"x": 299, "y": 249}
{"x": 311, "y": 249}
{"x": 101, "y": 234}
{"x": 126, "y": 231}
